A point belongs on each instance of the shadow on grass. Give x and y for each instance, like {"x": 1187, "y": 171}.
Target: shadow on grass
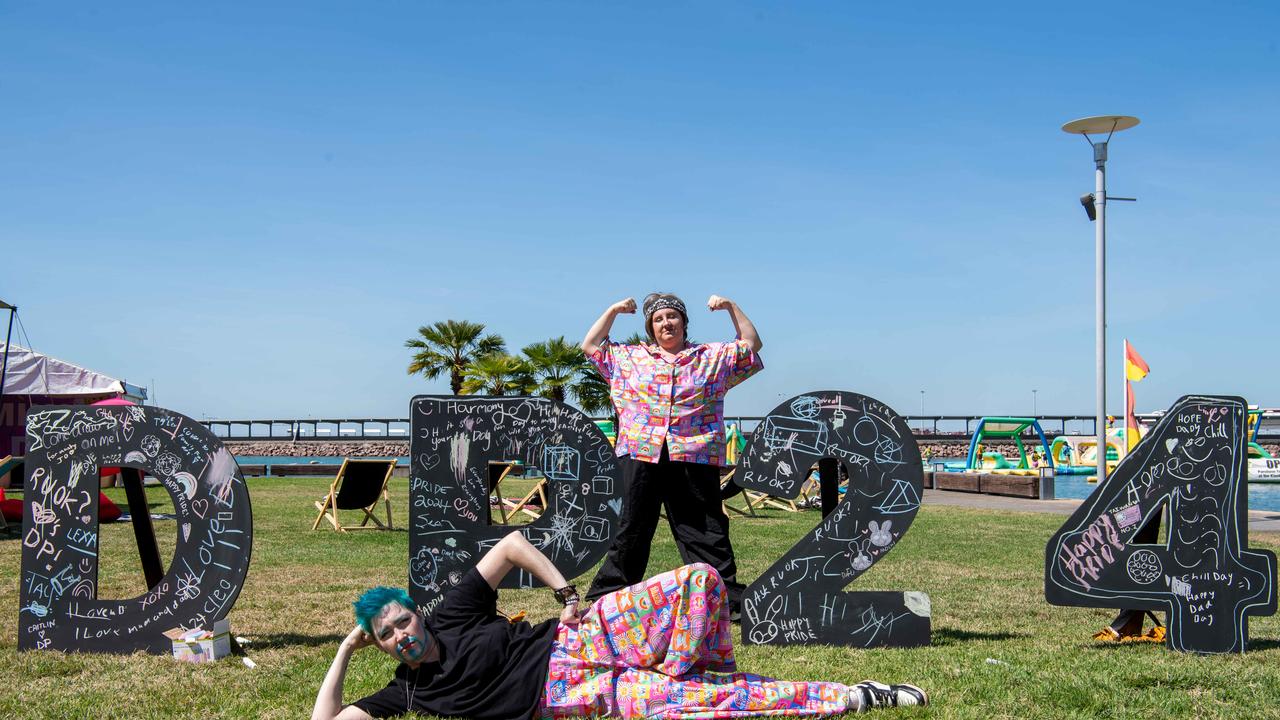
{"x": 953, "y": 636}
{"x": 1268, "y": 644}
{"x": 362, "y": 531}
{"x": 280, "y": 640}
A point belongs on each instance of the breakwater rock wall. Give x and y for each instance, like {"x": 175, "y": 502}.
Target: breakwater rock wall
{"x": 322, "y": 448}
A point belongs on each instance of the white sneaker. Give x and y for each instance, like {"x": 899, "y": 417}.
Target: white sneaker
{"x": 871, "y": 694}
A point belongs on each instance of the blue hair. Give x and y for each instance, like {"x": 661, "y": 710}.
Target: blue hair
{"x": 371, "y": 602}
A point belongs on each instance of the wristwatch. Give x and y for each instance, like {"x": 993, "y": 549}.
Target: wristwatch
{"x": 567, "y": 595}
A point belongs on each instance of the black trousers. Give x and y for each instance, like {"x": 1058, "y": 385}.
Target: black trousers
{"x": 690, "y": 492}
{"x": 1148, "y": 534}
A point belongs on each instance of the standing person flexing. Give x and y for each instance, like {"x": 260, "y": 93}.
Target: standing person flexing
{"x": 669, "y": 395}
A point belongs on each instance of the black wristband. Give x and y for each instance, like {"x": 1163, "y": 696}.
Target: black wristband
{"x": 566, "y": 594}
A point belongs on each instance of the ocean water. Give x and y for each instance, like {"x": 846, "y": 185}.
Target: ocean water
{"x": 1262, "y": 496}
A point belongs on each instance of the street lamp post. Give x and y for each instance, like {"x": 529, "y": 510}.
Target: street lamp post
{"x": 1033, "y": 403}
{"x": 1096, "y": 207}
{"x": 921, "y": 412}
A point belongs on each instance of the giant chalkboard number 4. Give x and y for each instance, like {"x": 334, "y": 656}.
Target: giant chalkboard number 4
{"x": 1204, "y": 576}
{"x": 799, "y": 599}
{"x": 59, "y": 607}
{"x": 455, "y": 439}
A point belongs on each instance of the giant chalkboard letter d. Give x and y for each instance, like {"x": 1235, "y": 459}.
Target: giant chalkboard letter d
{"x": 454, "y": 440}
{"x": 60, "y": 609}
{"x": 1205, "y": 576}
{"x": 800, "y": 600}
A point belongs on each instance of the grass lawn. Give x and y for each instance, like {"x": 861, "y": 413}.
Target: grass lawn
{"x": 998, "y": 649}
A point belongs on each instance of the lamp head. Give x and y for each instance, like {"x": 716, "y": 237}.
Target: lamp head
{"x": 1089, "y": 207}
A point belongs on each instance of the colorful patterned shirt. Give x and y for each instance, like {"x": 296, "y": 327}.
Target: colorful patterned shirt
{"x": 680, "y": 402}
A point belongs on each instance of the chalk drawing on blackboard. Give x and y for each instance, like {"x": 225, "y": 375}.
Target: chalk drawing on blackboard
{"x": 1204, "y": 575}
{"x": 1144, "y": 567}
{"x": 458, "y": 441}
{"x": 602, "y": 485}
{"x": 802, "y": 590}
{"x": 60, "y": 553}
{"x": 806, "y": 406}
{"x": 560, "y": 462}
{"x": 901, "y": 498}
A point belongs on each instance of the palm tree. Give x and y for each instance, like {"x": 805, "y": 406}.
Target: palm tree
{"x": 554, "y": 364}
{"x": 591, "y": 391}
{"x": 497, "y": 374}
{"x": 450, "y": 346}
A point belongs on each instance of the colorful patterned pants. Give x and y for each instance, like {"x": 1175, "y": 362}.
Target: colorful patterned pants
{"x": 663, "y": 648}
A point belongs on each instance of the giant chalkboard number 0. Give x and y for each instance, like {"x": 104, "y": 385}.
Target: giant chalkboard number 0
{"x": 800, "y": 599}
{"x": 1205, "y": 576}
{"x": 59, "y": 608}
{"x": 454, "y": 440}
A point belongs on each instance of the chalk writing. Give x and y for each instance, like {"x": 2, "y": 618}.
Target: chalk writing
{"x": 799, "y": 599}
{"x": 59, "y": 605}
{"x": 454, "y": 440}
{"x": 1208, "y": 580}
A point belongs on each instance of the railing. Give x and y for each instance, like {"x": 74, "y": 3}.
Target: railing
{"x": 926, "y": 427}
{"x": 396, "y": 429}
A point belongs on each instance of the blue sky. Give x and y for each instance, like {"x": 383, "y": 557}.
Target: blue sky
{"x": 251, "y": 208}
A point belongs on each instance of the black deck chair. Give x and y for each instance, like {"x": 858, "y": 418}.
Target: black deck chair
{"x": 360, "y": 485}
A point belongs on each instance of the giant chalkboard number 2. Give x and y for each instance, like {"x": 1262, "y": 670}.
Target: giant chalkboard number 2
{"x": 60, "y": 609}
{"x": 454, "y": 440}
{"x": 799, "y": 599}
{"x": 1205, "y": 576}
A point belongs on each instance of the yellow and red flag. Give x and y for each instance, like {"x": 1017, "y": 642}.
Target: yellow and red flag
{"x": 1135, "y": 368}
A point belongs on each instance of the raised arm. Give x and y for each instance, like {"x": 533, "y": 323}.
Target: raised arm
{"x": 514, "y": 551}
{"x": 329, "y": 700}
{"x": 600, "y": 329}
{"x": 742, "y": 326}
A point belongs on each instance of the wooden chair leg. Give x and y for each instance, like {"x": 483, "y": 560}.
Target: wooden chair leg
{"x": 496, "y": 492}
{"x": 520, "y": 506}
{"x": 749, "y": 512}
{"x": 321, "y": 506}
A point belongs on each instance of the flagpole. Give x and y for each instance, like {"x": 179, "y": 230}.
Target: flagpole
{"x": 4, "y": 368}
{"x": 1125, "y": 364}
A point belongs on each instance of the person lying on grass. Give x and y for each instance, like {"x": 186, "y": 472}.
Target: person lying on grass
{"x": 658, "y": 648}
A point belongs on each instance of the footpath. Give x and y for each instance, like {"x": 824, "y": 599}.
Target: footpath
{"x": 1259, "y": 520}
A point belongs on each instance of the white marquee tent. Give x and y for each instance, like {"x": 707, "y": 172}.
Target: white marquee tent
{"x": 31, "y": 373}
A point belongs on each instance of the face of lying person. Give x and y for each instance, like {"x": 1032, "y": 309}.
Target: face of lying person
{"x": 668, "y": 329}
{"x": 400, "y": 633}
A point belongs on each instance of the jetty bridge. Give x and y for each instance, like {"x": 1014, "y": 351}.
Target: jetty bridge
{"x": 925, "y": 427}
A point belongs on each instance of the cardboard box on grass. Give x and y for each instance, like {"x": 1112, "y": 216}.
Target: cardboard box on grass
{"x": 204, "y": 650}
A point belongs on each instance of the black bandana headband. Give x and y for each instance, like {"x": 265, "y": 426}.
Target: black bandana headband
{"x": 660, "y": 301}
{"x": 663, "y": 303}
